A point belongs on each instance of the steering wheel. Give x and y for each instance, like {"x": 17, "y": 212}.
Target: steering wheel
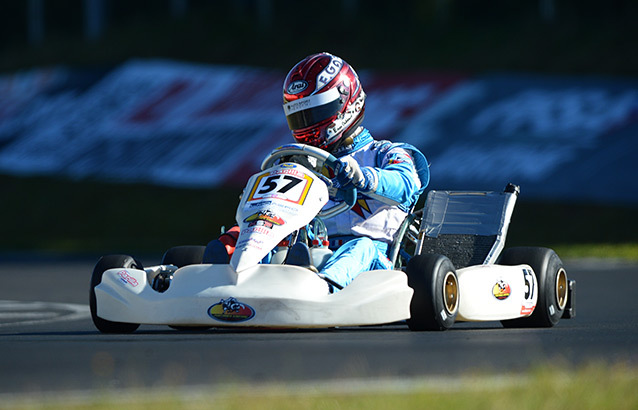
{"x": 348, "y": 194}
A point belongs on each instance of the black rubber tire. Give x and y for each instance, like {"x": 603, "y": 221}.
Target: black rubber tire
{"x": 552, "y": 285}
{"x": 184, "y": 255}
{"x": 435, "y": 302}
{"x": 103, "y": 264}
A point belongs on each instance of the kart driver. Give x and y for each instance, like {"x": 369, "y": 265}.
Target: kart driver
{"x": 324, "y": 105}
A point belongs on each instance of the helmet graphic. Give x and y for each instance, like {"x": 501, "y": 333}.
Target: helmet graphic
{"x": 323, "y": 101}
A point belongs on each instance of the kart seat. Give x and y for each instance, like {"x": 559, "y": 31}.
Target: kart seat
{"x": 467, "y": 227}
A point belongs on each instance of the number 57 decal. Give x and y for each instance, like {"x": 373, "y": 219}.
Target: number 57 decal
{"x": 292, "y": 188}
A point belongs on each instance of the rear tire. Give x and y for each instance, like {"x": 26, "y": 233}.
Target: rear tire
{"x": 435, "y": 302}
{"x": 181, "y": 256}
{"x": 552, "y": 285}
{"x": 103, "y": 264}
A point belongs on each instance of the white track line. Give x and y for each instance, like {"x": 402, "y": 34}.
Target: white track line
{"x": 33, "y": 313}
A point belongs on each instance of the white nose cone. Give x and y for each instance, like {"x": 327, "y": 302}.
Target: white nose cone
{"x": 276, "y": 202}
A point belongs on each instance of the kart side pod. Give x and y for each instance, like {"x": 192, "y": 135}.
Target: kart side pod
{"x": 495, "y": 292}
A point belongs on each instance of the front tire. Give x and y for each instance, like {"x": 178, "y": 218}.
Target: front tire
{"x": 552, "y": 285}
{"x": 435, "y": 302}
{"x": 105, "y": 263}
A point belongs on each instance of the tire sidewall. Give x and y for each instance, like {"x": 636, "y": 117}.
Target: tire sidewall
{"x": 426, "y": 276}
{"x": 547, "y": 309}
{"x": 105, "y": 263}
{"x": 546, "y": 265}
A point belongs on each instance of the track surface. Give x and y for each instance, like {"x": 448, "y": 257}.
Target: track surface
{"x": 49, "y": 344}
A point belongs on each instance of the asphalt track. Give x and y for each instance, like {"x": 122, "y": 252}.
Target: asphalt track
{"x": 48, "y": 343}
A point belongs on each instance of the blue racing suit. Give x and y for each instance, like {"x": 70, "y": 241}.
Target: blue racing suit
{"x": 399, "y": 174}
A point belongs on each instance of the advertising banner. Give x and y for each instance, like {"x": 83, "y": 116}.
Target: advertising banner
{"x": 189, "y": 125}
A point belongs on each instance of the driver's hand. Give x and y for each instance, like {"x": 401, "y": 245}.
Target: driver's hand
{"x": 350, "y": 173}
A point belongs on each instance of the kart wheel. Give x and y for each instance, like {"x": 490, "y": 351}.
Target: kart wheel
{"x": 105, "y": 263}
{"x": 184, "y": 255}
{"x": 435, "y": 302}
{"x": 552, "y": 285}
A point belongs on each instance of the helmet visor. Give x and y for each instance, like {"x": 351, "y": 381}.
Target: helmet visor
{"x": 308, "y": 111}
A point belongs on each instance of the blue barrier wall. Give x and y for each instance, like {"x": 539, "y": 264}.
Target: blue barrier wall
{"x": 179, "y": 124}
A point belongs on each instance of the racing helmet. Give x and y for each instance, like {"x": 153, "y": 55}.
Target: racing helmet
{"x": 323, "y": 101}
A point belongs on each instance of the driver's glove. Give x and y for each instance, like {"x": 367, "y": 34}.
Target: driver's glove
{"x": 349, "y": 172}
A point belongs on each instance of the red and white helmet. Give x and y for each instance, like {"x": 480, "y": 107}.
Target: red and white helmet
{"x": 323, "y": 100}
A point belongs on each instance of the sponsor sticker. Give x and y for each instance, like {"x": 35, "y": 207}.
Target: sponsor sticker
{"x": 528, "y": 277}
{"x": 297, "y": 86}
{"x": 329, "y": 73}
{"x": 501, "y": 290}
{"x": 287, "y": 184}
{"x": 249, "y": 243}
{"x": 265, "y": 216}
{"x": 231, "y": 310}
{"x": 399, "y": 157}
{"x": 126, "y": 278}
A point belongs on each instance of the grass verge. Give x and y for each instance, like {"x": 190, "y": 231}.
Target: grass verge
{"x": 595, "y": 386}
{"x": 624, "y": 251}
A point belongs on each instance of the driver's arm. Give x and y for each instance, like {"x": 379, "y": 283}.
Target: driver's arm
{"x": 396, "y": 180}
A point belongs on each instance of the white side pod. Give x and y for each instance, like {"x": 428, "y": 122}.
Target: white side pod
{"x": 496, "y": 292}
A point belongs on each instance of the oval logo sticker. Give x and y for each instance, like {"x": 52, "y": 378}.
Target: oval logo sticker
{"x": 231, "y": 310}
{"x": 297, "y": 86}
{"x": 501, "y": 290}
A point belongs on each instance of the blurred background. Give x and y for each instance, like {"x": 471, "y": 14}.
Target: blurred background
{"x": 131, "y": 126}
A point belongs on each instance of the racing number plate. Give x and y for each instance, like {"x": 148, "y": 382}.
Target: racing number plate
{"x": 287, "y": 184}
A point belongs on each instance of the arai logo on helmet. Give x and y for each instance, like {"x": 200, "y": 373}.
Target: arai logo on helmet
{"x": 297, "y": 86}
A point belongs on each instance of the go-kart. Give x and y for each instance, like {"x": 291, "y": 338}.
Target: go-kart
{"x": 448, "y": 258}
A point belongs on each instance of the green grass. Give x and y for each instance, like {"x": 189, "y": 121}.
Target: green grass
{"x": 596, "y": 386}
{"x": 576, "y": 230}
{"x": 625, "y": 251}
